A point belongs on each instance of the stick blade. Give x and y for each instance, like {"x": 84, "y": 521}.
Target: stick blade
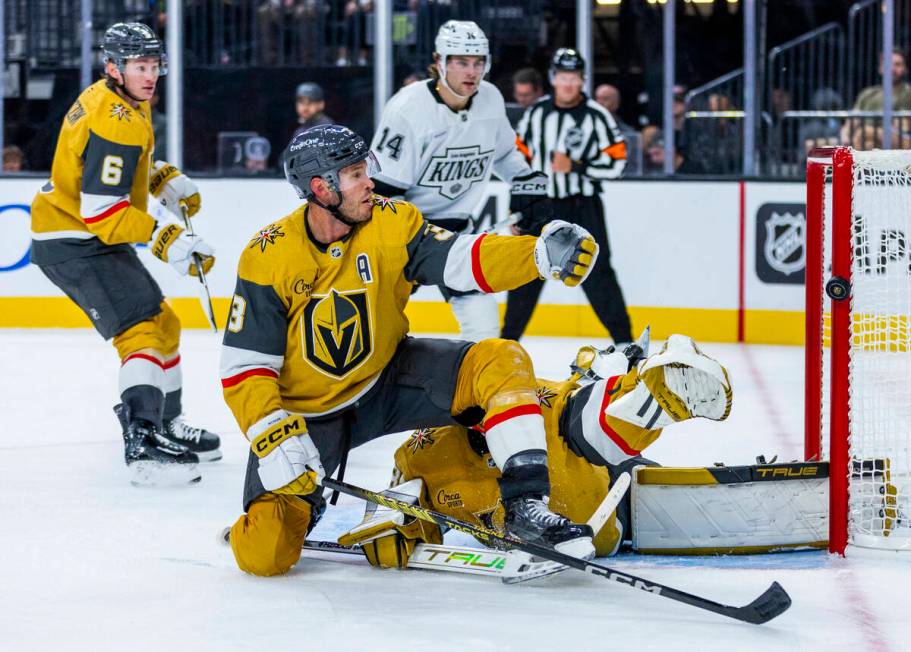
{"x": 771, "y": 604}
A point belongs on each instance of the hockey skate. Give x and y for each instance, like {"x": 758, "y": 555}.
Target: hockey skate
{"x": 152, "y": 459}
{"x": 200, "y": 441}
{"x": 530, "y": 519}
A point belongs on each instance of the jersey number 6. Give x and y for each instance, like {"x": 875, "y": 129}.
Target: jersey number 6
{"x": 111, "y": 170}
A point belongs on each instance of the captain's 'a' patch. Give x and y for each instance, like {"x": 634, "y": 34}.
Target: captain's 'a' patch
{"x": 337, "y": 331}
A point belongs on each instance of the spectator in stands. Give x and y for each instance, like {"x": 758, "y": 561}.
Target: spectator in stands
{"x": 653, "y": 151}
{"x": 823, "y": 130}
{"x": 287, "y": 25}
{"x": 310, "y": 105}
{"x": 527, "y": 87}
{"x": 13, "y": 159}
{"x": 413, "y": 76}
{"x": 867, "y": 133}
{"x": 609, "y": 97}
{"x": 354, "y": 32}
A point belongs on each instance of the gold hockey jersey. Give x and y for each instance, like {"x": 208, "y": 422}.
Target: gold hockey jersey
{"x": 99, "y": 187}
{"x": 313, "y": 326}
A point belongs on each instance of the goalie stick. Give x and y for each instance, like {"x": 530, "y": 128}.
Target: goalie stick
{"x": 773, "y": 602}
{"x": 510, "y": 568}
{"x": 204, "y": 298}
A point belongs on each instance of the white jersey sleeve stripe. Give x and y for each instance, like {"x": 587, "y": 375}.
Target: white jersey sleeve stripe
{"x": 462, "y": 271}
{"x": 597, "y": 431}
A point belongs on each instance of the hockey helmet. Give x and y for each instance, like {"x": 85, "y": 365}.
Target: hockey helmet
{"x": 461, "y": 37}
{"x": 124, "y": 41}
{"x": 566, "y": 60}
{"x": 323, "y": 151}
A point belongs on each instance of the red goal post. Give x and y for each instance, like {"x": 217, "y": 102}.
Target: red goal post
{"x": 858, "y": 341}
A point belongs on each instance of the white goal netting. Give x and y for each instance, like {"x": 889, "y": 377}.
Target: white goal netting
{"x": 879, "y": 484}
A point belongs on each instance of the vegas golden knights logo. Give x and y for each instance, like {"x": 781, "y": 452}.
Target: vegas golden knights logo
{"x": 337, "y": 329}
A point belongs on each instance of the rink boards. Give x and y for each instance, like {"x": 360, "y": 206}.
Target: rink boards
{"x": 719, "y": 260}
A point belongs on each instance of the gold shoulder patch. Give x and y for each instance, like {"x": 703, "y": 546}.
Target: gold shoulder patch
{"x": 76, "y": 112}
{"x": 121, "y": 112}
{"x": 266, "y": 236}
{"x": 384, "y": 202}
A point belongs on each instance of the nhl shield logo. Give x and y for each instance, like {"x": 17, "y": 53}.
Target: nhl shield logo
{"x": 784, "y": 249}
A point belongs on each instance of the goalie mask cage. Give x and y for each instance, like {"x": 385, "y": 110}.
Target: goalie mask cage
{"x": 858, "y": 341}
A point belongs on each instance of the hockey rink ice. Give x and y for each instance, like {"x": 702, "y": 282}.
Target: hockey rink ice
{"x": 88, "y": 562}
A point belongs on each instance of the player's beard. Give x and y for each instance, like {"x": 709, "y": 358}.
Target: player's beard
{"x": 355, "y": 212}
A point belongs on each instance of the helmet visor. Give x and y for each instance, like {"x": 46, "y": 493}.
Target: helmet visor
{"x": 352, "y": 176}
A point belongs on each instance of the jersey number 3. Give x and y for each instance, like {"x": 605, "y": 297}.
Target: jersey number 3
{"x": 394, "y": 144}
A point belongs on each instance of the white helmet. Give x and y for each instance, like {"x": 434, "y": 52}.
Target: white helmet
{"x": 461, "y": 37}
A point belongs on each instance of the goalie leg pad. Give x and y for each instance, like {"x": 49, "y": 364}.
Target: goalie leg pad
{"x": 267, "y": 539}
{"x": 730, "y": 510}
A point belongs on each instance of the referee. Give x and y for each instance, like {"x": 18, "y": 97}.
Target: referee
{"x": 577, "y": 144}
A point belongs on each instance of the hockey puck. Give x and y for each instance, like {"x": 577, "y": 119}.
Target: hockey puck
{"x": 838, "y": 288}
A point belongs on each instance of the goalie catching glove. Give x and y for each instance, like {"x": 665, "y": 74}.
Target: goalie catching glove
{"x": 174, "y": 189}
{"x": 172, "y": 244}
{"x": 388, "y": 537}
{"x": 682, "y": 381}
{"x": 289, "y": 462}
{"x": 565, "y": 252}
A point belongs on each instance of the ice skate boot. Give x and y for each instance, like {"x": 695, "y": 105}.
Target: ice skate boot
{"x": 530, "y": 519}
{"x": 152, "y": 459}
{"x": 200, "y": 441}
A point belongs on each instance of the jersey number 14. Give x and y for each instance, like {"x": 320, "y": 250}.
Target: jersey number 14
{"x": 394, "y": 144}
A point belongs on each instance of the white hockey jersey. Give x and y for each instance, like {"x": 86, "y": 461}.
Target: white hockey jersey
{"x": 444, "y": 158}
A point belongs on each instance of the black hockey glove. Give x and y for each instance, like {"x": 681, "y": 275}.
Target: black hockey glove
{"x": 528, "y": 198}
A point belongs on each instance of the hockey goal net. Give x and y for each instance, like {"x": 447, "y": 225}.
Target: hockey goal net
{"x": 858, "y": 346}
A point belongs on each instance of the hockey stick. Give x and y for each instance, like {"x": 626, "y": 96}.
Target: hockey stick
{"x": 511, "y": 569}
{"x": 773, "y": 602}
{"x": 197, "y": 260}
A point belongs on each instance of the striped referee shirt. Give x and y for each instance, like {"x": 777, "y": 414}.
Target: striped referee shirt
{"x": 587, "y": 133}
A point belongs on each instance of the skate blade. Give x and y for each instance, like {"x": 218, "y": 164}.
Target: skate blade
{"x": 209, "y": 456}
{"x": 155, "y": 474}
{"x": 581, "y": 548}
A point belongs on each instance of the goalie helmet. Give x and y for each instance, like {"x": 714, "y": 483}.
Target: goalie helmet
{"x": 323, "y": 151}
{"x": 566, "y": 60}
{"x": 123, "y": 41}
{"x": 461, "y": 37}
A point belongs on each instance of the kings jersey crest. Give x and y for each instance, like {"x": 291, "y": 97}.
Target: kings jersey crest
{"x": 337, "y": 331}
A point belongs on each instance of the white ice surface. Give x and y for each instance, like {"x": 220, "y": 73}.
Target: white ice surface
{"x": 88, "y": 562}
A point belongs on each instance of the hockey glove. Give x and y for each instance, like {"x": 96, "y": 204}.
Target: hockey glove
{"x": 385, "y": 537}
{"x": 173, "y": 188}
{"x": 172, "y": 244}
{"x": 528, "y": 198}
{"x": 565, "y": 252}
{"x": 289, "y": 462}
{"x": 678, "y": 383}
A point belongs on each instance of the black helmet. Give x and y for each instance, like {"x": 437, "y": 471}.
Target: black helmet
{"x": 323, "y": 151}
{"x": 567, "y": 59}
{"x": 124, "y": 41}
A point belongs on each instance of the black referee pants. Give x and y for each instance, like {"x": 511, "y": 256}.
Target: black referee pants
{"x": 601, "y": 286}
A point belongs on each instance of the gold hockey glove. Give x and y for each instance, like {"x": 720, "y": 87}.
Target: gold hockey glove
{"x": 174, "y": 189}
{"x": 172, "y": 244}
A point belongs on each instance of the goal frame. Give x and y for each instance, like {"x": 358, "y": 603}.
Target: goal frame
{"x": 841, "y": 160}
